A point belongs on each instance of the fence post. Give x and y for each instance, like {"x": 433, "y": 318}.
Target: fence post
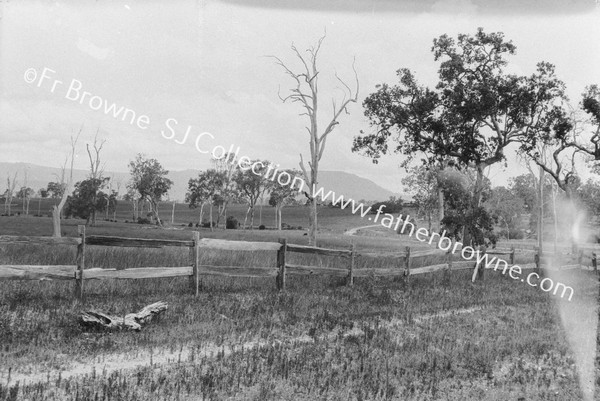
{"x": 350, "y": 281}
{"x": 594, "y": 262}
{"x": 449, "y": 262}
{"x": 196, "y": 262}
{"x": 80, "y": 264}
{"x": 281, "y": 264}
{"x": 512, "y": 255}
{"x": 536, "y": 259}
{"x": 407, "y": 264}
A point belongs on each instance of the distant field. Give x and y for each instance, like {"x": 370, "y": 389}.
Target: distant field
{"x": 332, "y": 219}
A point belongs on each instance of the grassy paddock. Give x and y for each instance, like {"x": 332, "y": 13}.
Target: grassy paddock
{"x": 381, "y": 339}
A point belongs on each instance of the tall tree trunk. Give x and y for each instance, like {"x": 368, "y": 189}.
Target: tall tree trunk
{"x": 246, "y": 217}
{"x": 173, "y": 214}
{"x": 429, "y": 219}
{"x": 541, "y": 213}
{"x": 56, "y": 221}
{"x": 154, "y": 211}
{"x": 312, "y": 221}
{"x": 555, "y": 217}
{"x": 279, "y": 218}
{"x": 478, "y": 191}
{"x": 252, "y": 218}
{"x": 441, "y": 207}
{"x": 56, "y": 213}
{"x": 201, "y": 214}
{"x": 211, "y": 217}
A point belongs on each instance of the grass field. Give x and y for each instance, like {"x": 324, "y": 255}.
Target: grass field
{"x": 333, "y": 219}
{"x": 437, "y": 337}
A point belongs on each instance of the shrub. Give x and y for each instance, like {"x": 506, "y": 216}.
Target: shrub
{"x": 191, "y": 224}
{"x": 143, "y": 220}
{"x": 207, "y": 224}
{"x": 262, "y": 227}
{"x": 232, "y": 223}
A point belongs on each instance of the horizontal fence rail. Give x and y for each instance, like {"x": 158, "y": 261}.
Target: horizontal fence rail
{"x": 79, "y": 272}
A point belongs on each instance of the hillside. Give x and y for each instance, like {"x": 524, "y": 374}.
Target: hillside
{"x": 350, "y": 185}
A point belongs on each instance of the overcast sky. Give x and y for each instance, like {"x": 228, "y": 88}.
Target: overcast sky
{"x": 203, "y": 64}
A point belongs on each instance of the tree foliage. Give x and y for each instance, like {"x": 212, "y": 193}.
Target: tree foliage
{"x": 55, "y": 190}
{"x": 149, "y": 179}
{"x": 283, "y": 195}
{"x": 252, "y": 186}
{"x": 87, "y": 198}
{"x": 392, "y": 205}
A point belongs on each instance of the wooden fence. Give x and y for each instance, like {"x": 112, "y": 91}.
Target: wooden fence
{"x": 80, "y": 272}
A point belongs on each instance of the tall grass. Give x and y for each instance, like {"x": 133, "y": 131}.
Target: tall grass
{"x": 381, "y": 339}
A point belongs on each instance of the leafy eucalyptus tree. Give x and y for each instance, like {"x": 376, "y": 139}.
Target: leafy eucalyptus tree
{"x": 473, "y": 114}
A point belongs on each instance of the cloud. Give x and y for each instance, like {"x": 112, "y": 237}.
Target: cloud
{"x": 419, "y": 6}
{"x": 91, "y": 49}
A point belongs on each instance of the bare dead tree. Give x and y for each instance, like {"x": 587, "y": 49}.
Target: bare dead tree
{"x": 95, "y": 171}
{"x": 306, "y": 93}
{"x": 57, "y": 209}
{"x": 10, "y": 185}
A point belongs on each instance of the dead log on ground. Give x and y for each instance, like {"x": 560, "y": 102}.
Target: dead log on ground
{"x": 131, "y": 321}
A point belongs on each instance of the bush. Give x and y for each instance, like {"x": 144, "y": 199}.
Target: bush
{"x": 207, "y": 224}
{"x": 191, "y": 224}
{"x": 232, "y": 223}
{"x": 143, "y": 220}
{"x": 261, "y": 227}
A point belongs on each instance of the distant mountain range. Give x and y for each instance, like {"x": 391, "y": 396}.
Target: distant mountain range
{"x": 342, "y": 183}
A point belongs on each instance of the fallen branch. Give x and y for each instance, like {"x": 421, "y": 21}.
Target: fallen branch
{"x": 131, "y": 321}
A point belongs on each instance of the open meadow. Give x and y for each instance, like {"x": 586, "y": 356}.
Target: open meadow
{"x": 434, "y": 337}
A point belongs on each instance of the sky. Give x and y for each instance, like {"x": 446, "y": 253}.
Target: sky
{"x": 205, "y": 65}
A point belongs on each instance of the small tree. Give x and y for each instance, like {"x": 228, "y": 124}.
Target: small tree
{"x": 589, "y": 194}
{"x": 87, "y": 199}
{"x": 55, "y": 190}
{"x": 149, "y": 179}
{"x": 226, "y": 167}
{"x": 206, "y": 188}
{"x": 25, "y": 194}
{"x": 422, "y": 184}
{"x": 10, "y": 192}
{"x": 251, "y": 187}
{"x": 507, "y": 207}
{"x": 95, "y": 175}
{"x": 281, "y": 196}
{"x": 133, "y": 197}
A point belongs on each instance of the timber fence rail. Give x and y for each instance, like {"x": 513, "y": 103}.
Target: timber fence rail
{"x": 80, "y": 272}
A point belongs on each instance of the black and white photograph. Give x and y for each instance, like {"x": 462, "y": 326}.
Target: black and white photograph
{"x": 299, "y": 200}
